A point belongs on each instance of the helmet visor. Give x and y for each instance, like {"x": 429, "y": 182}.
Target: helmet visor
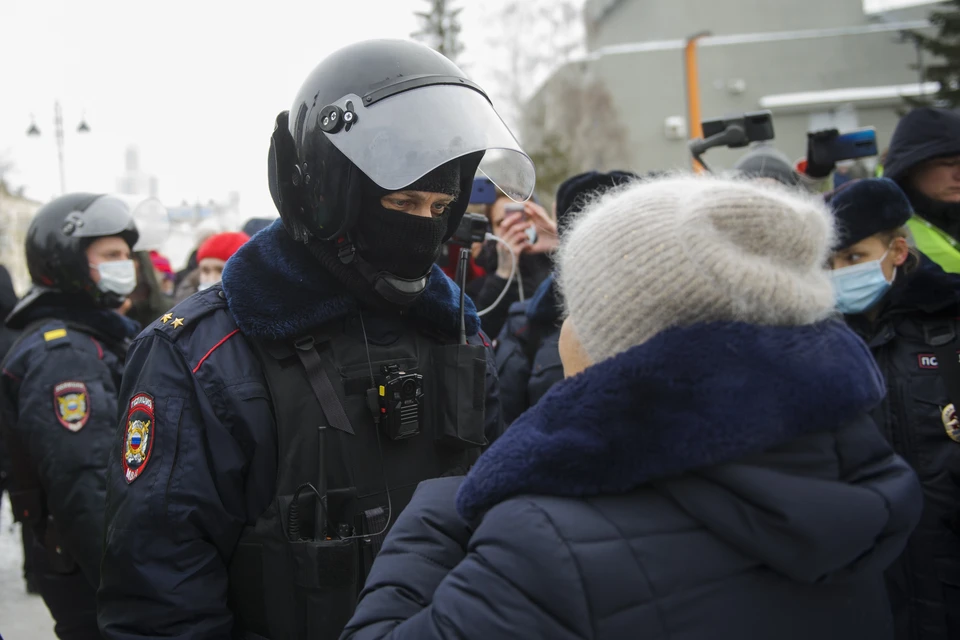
{"x": 152, "y": 220}
{"x": 105, "y": 216}
{"x": 400, "y": 139}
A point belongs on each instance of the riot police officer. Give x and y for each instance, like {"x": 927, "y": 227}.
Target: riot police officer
{"x": 274, "y": 425}
{"x": 58, "y": 394}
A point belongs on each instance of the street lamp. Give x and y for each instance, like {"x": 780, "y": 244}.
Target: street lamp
{"x": 34, "y": 131}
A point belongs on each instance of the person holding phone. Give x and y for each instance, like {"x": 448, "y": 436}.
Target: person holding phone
{"x": 905, "y": 308}
{"x": 528, "y": 233}
{"x": 528, "y": 355}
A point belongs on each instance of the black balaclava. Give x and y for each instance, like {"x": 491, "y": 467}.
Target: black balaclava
{"x": 399, "y": 243}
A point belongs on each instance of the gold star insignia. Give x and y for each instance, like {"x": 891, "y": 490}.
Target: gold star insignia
{"x": 166, "y": 318}
{"x": 177, "y": 323}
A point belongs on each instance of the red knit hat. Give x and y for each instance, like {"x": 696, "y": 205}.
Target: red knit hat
{"x": 221, "y": 245}
{"x": 161, "y": 263}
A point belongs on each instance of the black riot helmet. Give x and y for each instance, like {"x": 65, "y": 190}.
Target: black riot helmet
{"x": 394, "y": 110}
{"x": 59, "y": 235}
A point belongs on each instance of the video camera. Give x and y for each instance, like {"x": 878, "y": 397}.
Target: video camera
{"x": 473, "y": 228}
{"x": 734, "y": 133}
{"x": 830, "y": 147}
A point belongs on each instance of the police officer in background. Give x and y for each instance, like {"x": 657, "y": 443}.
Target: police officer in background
{"x": 58, "y": 394}
{"x": 275, "y": 424}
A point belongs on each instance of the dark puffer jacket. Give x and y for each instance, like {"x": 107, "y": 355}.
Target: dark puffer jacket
{"x": 925, "y": 582}
{"x": 653, "y": 497}
{"x": 528, "y": 352}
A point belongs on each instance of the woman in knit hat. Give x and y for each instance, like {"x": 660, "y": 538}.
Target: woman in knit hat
{"x": 212, "y": 256}
{"x": 708, "y": 469}
{"x": 906, "y": 308}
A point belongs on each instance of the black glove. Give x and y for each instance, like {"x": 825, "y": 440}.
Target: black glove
{"x": 817, "y": 165}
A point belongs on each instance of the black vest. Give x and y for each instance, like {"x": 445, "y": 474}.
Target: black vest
{"x": 297, "y": 572}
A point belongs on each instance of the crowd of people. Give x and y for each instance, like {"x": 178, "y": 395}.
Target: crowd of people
{"x": 673, "y": 406}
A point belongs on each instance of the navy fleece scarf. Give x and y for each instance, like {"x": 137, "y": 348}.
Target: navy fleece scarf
{"x": 276, "y": 290}
{"x": 688, "y": 399}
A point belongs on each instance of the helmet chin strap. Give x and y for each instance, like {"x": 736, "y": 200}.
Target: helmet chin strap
{"x": 396, "y": 290}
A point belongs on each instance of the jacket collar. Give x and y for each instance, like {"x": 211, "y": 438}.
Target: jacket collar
{"x": 688, "y": 399}
{"x": 546, "y": 305}
{"x": 925, "y": 289}
{"x": 277, "y": 290}
{"x": 41, "y": 303}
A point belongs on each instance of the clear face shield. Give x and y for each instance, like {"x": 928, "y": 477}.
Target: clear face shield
{"x": 399, "y": 139}
{"x": 152, "y": 220}
{"x": 106, "y": 216}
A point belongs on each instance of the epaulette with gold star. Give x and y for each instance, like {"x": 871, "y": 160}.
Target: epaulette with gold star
{"x": 178, "y": 320}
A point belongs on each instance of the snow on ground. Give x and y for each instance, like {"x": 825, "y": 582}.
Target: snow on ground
{"x": 22, "y": 616}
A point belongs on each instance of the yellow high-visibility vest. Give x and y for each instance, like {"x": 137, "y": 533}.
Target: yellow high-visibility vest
{"x": 935, "y": 244}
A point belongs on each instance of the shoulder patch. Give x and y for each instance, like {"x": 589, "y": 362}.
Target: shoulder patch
{"x": 56, "y": 337}
{"x": 71, "y": 403}
{"x": 54, "y": 334}
{"x": 176, "y": 321}
{"x": 138, "y": 436}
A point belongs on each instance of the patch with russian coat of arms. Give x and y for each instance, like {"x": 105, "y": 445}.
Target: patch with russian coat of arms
{"x": 138, "y": 436}
{"x": 71, "y": 403}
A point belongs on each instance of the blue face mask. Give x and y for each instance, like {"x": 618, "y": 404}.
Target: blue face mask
{"x": 861, "y": 286}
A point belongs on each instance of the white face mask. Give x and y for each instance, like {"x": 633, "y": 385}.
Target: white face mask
{"x": 117, "y": 276}
{"x": 203, "y": 286}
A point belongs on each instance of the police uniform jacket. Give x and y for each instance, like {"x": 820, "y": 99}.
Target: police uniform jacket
{"x": 925, "y": 583}
{"x": 59, "y": 402}
{"x": 176, "y": 512}
{"x": 652, "y": 497}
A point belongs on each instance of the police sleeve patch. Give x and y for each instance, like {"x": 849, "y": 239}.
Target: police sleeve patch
{"x": 71, "y": 403}
{"x": 138, "y": 436}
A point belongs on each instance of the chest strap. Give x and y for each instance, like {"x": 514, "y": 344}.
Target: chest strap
{"x": 322, "y": 386}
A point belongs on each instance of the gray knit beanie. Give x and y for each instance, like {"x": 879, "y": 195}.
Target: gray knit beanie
{"x": 766, "y": 161}
{"x": 685, "y": 250}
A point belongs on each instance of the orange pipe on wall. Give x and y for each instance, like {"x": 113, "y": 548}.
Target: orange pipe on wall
{"x": 694, "y": 118}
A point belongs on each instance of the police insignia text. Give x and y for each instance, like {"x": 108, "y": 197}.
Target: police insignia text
{"x": 139, "y": 436}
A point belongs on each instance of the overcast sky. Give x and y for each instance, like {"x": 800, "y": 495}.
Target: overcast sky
{"x": 885, "y": 5}
{"x": 196, "y": 84}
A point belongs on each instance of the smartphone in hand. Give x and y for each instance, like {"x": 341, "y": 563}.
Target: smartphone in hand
{"x": 516, "y": 208}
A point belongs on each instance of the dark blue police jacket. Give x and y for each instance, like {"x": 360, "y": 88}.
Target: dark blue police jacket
{"x": 58, "y": 394}
{"x": 195, "y": 458}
